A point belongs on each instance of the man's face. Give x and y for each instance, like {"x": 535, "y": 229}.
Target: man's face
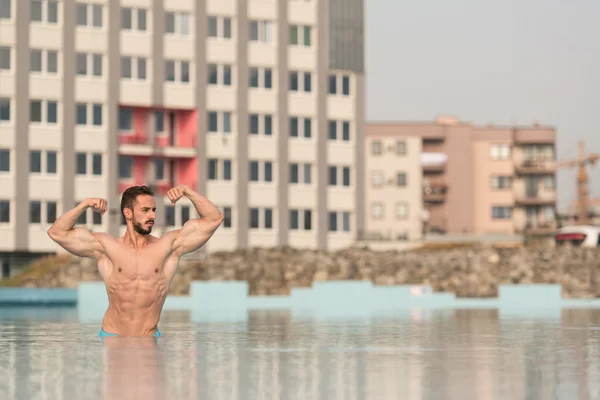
{"x": 144, "y": 214}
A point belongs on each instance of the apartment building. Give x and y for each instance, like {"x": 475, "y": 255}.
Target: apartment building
{"x": 483, "y": 179}
{"x": 394, "y": 188}
{"x": 258, "y": 104}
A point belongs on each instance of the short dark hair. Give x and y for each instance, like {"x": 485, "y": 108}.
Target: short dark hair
{"x": 129, "y": 196}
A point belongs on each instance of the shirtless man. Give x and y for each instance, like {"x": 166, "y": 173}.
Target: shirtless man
{"x": 137, "y": 268}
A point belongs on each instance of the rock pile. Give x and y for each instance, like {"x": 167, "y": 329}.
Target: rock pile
{"x": 468, "y": 272}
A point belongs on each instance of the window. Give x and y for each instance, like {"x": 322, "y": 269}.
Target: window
{"x": 185, "y": 214}
{"x": 44, "y": 61}
{"x": 4, "y": 160}
{"x": 125, "y": 167}
{"x": 377, "y": 178}
{"x": 254, "y": 171}
{"x": 401, "y": 179}
{"x": 219, "y": 74}
{"x": 5, "y": 57}
{"x": 549, "y": 182}
{"x": 293, "y": 81}
{"x": 213, "y": 169}
{"x": 294, "y": 172}
{"x": 401, "y": 148}
{"x": 261, "y": 31}
{"x": 332, "y": 84}
{"x": 82, "y": 60}
{"x": 4, "y": 211}
{"x": 81, "y": 164}
{"x": 376, "y": 147}
{"x": 268, "y": 218}
{"x": 5, "y": 9}
{"x": 37, "y": 158}
{"x": 44, "y": 11}
{"x": 501, "y": 212}
{"x": 299, "y": 80}
{"x": 88, "y": 114}
{"x": 177, "y": 71}
{"x": 226, "y": 217}
{"x": 96, "y": 219}
{"x": 307, "y": 82}
{"x": 260, "y": 78}
{"x": 35, "y": 161}
{"x": 401, "y": 210}
{"x": 51, "y": 212}
{"x": 97, "y": 164}
{"x": 307, "y": 220}
{"x": 294, "y": 220}
{"x": 262, "y": 124}
{"x": 377, "y": 210}
{"x": 51, "y": 162}
{"x": 345, "y": 131}
{"x": 346, "y": 176}
{"x": 332, "y": 130}
{"x": 4, "y": 109}
{"x": 345, "y": 85}
{"x": 332, "y": 176}
{"x": 37, "y": 113}
{"x": 268, "y": 171}
{"x": 214, "y": 117}
{"x": 125, "y": 119}
{"x": 332, "y": 221}
{"x": 500, "y": 152}
{"x": 219, "y": 27}
{"x": 137, "y": 64}
{"x": 177, "y": 23}
{"x": 300, "y": 35}
{"x": 89, "y": 15}
{"x": 127, "y": 19}
{"x": 35, "y": 212}
{"x": 170, "y": 215}
{"x": 501, "y": 182}
{"x": 254, "y": 223}
{"x": 307, "y": 173}
{"x": 346, "y": 221}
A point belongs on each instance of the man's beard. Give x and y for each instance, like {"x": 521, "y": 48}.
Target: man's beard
{"x": 140, "y": 229}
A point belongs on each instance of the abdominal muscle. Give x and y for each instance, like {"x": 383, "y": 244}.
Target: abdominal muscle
{"x": 135, "y": 303}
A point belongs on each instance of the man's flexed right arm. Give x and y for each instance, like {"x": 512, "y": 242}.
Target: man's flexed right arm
{"x": 78, "y": 241}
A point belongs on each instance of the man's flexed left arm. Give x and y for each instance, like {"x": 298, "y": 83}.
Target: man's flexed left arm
{"x": 195, "y": 232}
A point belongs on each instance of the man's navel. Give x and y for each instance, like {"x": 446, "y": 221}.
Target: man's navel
{"x": 156, "y": 270}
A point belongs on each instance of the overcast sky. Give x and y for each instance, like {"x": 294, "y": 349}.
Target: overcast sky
{"x": 510, "y": 61}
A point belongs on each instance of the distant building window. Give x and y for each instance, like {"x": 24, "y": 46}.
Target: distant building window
{"x": 4, "y": 211}
{"x": 377, "y": 178}
{"x": 401, "y": 210}
{"x": 35, "y": 212}
{"x": 4, "y": 160}
{"x": 400, "y": 148}
{"x": 401, "y": 179}
{"x": 376, "y": 147}
{"x": 377, "y": 210}
{"x": 500, "y": 152}
{"x": 501, "y": 212}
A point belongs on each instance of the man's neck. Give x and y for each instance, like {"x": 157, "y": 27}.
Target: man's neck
{"x": 135, "y": 240}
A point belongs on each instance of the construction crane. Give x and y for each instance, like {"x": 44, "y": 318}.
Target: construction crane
{"x": 582, "y": 180}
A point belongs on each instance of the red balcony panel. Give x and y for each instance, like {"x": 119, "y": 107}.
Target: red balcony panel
{"x": 133, "y": 139}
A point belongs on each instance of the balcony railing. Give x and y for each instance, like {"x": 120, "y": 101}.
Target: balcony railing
{"x": 159, "y": 141}
{"x": 435, "y": 192}
{"x": 535, "y": 166}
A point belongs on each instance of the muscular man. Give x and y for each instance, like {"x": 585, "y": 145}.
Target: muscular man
{"x": 137, "y": 268}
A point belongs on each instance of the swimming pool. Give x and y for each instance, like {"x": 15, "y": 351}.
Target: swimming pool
{"x": 47, "y": 353}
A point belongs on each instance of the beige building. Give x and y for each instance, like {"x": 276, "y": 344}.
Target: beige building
{"x": 393, "y": 188}
{"x": 482, "y": 180}
{"x": 258, "y": 104}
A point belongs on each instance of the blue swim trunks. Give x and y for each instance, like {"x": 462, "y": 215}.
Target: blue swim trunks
{"x": 103, "y": 333}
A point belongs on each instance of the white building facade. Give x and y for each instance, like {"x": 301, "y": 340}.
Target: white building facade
{"x": 258, "y": 104}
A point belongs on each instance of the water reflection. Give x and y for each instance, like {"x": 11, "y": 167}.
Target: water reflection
{"x": 419, "y": 354}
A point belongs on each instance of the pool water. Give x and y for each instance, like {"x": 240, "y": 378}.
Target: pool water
{"x": 417, "y": 354}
